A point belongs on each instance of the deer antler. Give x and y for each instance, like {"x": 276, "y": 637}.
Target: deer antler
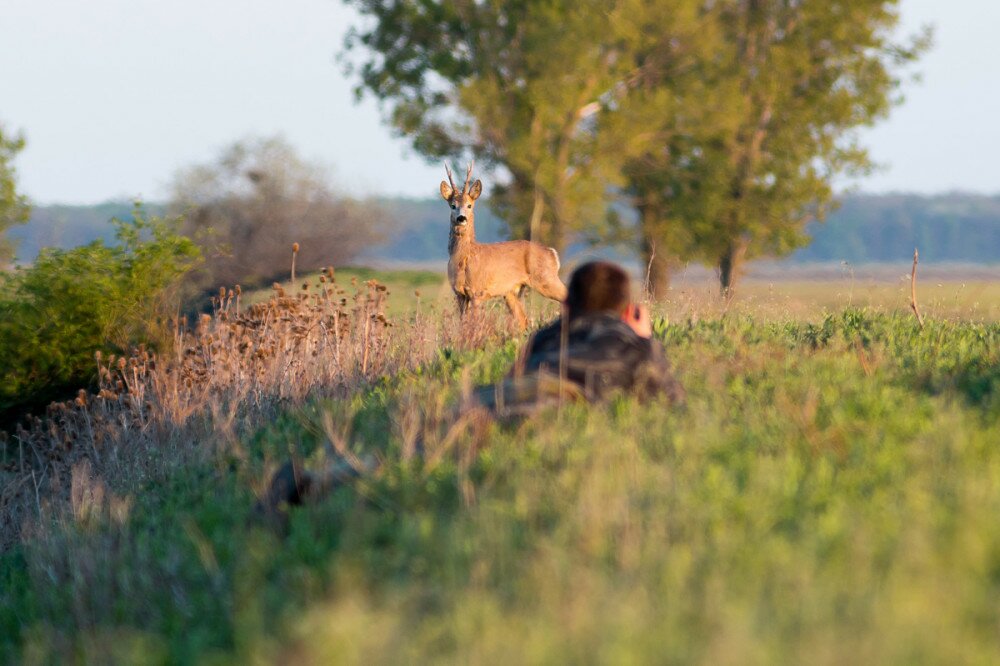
{"x": 468, "y": 176}
{"x": 450, "y": 181}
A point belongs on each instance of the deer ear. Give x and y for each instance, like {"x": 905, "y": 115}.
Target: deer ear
{"x": 446, "y": 191}
{"x": 476, "y": 189}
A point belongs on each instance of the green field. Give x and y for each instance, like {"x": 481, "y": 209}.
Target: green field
{"x": 828, "y": 495}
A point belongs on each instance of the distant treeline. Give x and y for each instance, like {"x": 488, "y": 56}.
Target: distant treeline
{"x": 880, "y": 228}
{"x": 66, "y": 227}
{"x": 953, "y": 228}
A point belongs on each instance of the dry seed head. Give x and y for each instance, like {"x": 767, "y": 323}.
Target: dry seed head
{"x": 295, "y": 247}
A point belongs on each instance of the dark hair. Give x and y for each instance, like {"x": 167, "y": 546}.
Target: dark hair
{"x": 598, "y": 286}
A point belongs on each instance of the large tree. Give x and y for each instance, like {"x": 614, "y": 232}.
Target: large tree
{"x": 514, "y": 83}
{"x": 14, "y": 207}
{"x": 792, "y": 81}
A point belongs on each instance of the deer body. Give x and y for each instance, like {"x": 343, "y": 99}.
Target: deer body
{"x": 482, "y": 271}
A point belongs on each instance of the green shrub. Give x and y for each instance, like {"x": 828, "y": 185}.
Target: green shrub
{"x": 55, "y": 314}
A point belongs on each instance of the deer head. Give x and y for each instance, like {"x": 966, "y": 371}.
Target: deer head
{"x": 463, "y": 203}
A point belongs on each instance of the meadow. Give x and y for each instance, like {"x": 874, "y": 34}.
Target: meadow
{"x": 828, "y": 494}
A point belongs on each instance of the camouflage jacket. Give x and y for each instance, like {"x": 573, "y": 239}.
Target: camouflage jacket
{"x": 603, "y": 355}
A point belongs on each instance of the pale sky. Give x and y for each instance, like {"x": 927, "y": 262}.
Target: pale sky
{"x": 115, "y": 95}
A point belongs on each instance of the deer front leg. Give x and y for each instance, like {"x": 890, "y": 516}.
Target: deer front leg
{"x": 516, "y": 309}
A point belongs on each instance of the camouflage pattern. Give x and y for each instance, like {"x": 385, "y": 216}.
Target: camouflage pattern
{"x": 603, "y": 355}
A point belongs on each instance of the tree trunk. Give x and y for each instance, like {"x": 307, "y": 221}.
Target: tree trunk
{"x": 730, "y": 267}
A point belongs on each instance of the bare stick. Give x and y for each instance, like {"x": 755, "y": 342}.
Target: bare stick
{"x": 913, "y": 290}
{"x": 38, "y": 501}
{"x": 563, "y": 351}
{"x": 649, "y": 269}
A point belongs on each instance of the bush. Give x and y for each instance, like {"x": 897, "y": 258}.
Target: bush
{"x": 55, "y": 314}
{"x": 258, "y": 198}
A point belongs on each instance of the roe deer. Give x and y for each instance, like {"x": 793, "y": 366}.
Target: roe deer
{"x": 481, "y": 271}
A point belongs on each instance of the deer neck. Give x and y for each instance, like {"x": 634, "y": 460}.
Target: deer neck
{"x": 461, "y": 240}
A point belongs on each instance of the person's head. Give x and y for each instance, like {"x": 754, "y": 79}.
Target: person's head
{"x": 598, "y": 286}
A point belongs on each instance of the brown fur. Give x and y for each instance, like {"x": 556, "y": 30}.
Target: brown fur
{"x": 481, "y": 271}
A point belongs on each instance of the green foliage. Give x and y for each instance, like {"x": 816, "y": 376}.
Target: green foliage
{"x": 55, "y": 314}
{"x": 14, "y": 207}
{"x": 828, "y": 495}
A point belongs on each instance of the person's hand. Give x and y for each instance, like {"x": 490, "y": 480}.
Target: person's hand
{"x": 637, "y": 317}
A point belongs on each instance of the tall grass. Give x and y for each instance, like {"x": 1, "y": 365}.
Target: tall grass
{"x": 828, "y": 495}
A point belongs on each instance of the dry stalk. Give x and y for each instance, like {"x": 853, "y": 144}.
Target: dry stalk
{"x": 647, "y": 287}
{"x": 913, "y": 290}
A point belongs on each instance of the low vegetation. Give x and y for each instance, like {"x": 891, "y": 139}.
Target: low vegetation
{"x": 828, "y": 495}
{"x": 69, "y": 304}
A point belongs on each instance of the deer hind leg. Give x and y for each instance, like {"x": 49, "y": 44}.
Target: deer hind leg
{"x": 516, "y": 309}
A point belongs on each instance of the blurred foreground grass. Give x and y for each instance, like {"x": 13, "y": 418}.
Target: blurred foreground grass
{"x": 829, "y": 495}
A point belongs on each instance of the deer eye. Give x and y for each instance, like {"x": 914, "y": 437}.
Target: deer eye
{"x": 453, "y": 206}
{"x": 469, "y": 206}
